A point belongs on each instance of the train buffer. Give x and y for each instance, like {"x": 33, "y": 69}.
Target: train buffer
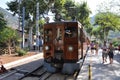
{"x": 94, "y": 69}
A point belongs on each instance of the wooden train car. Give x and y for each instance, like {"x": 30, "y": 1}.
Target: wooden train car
{"x": 63, "y": 46}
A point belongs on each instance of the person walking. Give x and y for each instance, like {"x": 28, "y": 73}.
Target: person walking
{"x": 92, "y": 47}
{"x": 34, "y": 45}
{"x": 40, "y": 43}
{"x": 96, "y": 47}
{"x": 104, "y": 52}
{"x": 110, "y": 53}
{"x": 37, "y": 43}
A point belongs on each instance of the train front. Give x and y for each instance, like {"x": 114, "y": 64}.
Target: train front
{"x": 61, "y": 47}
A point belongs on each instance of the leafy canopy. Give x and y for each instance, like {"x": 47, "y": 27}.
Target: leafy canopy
{"x": 7, "y": 34}
{"x": 107, "y": 20}
{"x": 2, "y": 21}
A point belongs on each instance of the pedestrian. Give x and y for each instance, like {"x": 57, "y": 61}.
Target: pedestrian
{"x": 40, "y": 43}
{"x": 34, "y": 45}
{"x": 119, "y": 48}
{"x": 37, "y": 43}
{"x": 96, "y": 47}
{"x": 110, "y": 53}
{"x": 104, "y": 52}
{"x": 92, "y": 47}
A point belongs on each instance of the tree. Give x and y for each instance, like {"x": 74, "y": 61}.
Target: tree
{"x": 2, "y": 21}
{"x": 30, "y": 8}
{"x": 7, "y": 35}
{"x": 98, "y": 33}
{"x": 108, "y": 21}
{"x": 61, "y": 9}
{"x": 78, "y": 11}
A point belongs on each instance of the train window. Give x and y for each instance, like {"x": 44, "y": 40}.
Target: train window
{"x": 48, "y": 31}
{"x": 48, "y": 38}
{"x": 70, "y": 32}
{"x": 48, "y": 35}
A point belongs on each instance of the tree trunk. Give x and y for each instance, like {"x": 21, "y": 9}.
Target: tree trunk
{"x": 30, "y": 37}
{"x": 9, "y": 46}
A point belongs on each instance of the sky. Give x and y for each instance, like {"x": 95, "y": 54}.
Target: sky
{"x": 3, "y": 3}
{"x": 91, "y": 3}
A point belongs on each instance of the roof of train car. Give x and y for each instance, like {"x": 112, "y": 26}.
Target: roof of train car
{"x": 63, "y": 22}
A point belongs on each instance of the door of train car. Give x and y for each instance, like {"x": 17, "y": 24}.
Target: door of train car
{"x": 71, "y": 42}
{"x": 54, "y": 40}
{"x": 48, "y": 40}
{"x": 58, "y": 41}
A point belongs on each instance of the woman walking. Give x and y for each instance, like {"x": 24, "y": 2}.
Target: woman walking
{"x": 97, "y": 47}
{"x": 110, "y": 53}
{"x": 104, "y": 52}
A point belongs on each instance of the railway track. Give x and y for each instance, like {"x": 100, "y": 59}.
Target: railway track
{"x": 42, "y": 74}
{"x": 38, "y": 74}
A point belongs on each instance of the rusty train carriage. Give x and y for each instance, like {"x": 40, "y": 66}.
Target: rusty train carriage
{"x": 63, "y": 42}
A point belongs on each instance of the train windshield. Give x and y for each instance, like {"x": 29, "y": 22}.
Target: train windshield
{"x": 70, "y": 32}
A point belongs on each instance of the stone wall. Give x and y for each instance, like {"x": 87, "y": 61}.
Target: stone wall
{"x": 5, "y": 50}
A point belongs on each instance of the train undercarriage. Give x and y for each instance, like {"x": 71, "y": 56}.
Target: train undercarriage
{"x": 58, "y": 64}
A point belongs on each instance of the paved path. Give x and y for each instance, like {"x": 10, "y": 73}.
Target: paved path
{"x": 24, "y": 61}
{"x": 100, "y": 71}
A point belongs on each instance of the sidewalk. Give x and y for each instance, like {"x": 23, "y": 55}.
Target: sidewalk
{"x": 24, "y": 61}
{"x": 100, "y": 71}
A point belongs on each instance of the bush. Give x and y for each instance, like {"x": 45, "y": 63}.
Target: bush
{"x": 21, "y": 52}
{"x": 26, "y": 49}
{"x": 116, "y": 42}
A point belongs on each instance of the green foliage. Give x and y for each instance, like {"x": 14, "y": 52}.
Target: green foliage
{"x": 60, "y": 7}
{"x": 30, "y": 9}
{"x": 116, "y": 42}
{"x": 41, "y": 22}
{"x": 106, "y": 21}
{"x": 70, "y": 10}
{"x": 21, "y": 52}
{"x": 98, "y": 32}
{"x": 7, "y": 34}
{"x": 13, "y": 6}
{"x": 2, "y": 22}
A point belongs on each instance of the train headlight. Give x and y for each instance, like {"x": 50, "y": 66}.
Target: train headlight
{"x": 70, "y": 48}
{"x": 47, "y": 48}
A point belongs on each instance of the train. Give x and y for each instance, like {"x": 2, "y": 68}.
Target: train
{"x": 64, "y": 45}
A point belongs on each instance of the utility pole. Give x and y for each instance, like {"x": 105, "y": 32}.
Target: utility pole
{"x": 37, "y": 19}
{"x": 19, "y": 2}
{"x": 19, "y": 22}
{"x": 23, "y": 25}
{"x": 37, "y": 25}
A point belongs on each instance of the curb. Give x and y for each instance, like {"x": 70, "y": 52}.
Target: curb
{"x": 23, "y": 61}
